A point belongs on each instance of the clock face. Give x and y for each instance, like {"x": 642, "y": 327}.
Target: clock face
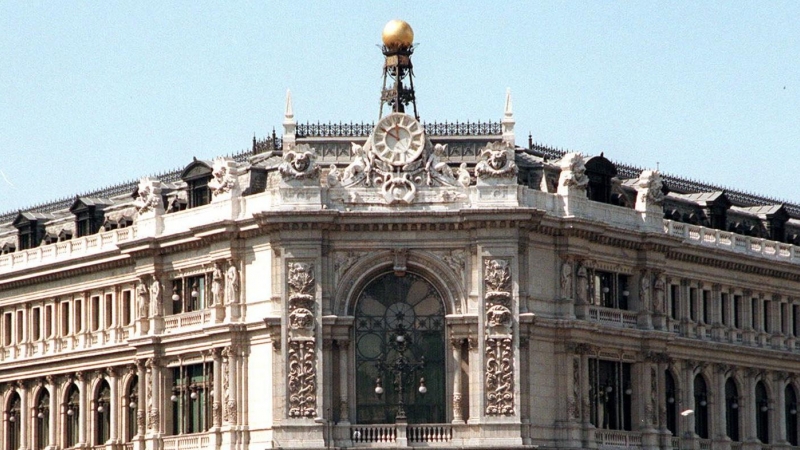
{"x": 398, "y": 139}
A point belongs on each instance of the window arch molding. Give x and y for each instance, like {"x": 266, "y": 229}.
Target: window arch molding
{"x": 425, "y": 264}
{"x": 129, "y": 401}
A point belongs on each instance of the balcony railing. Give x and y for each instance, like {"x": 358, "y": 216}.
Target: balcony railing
{"x": 727, "y": 240}
{"x": 386, "y": 435}
{"x": 187, "y": 319}
{"x": 87, "y": 245}
{"x": 614, "y": 317}
{"x": 373, "y": 434}
{"x": 617, "y": 439}
{"x": 186, "y": 442}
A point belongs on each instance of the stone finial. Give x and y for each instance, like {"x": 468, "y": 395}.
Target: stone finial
{"x": 508, "y": 121}
{"x": 648, "y": 188}
{"x": 148, "y": 200}
{"x": 573, "y": 174}
{"x": 289, "y": 124}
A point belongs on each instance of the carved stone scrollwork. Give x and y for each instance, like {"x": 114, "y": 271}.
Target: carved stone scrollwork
{"x": 302, "y": 389}
{"x": 573, "y": 406}
{"x": 499, "y": 377}
{"x": 573, "y": 174}
{"x": 498, "y": 351}
{"x": 223, "y": 176}
{"x": 148, "y": 196}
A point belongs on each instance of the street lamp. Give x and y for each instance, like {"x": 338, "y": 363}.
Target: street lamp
{"x": 402, "y": 370}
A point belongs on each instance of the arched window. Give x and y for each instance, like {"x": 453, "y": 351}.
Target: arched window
{"x": 672, "y": 407}
{"x": 701, "y": 407}
{"x": 42, "y": 422}
{"x": 12, "y": 424}
{"x": 791, "y": 414}
{"x": 732, "y": 409}
{"x": 102, "y": 413}
{"x": 762, "y": 413}
{"x": 129, "y": 408}
{"x": 73, "y": 413}
{"x": 400, "y": 364}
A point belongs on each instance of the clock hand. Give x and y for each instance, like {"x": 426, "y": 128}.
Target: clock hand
{"x": 390, "y": 133}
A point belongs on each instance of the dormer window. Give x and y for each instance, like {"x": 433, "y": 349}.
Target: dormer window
{"x": 31, "y": 229}
{"x": 197, "y": 175}
{"x": 88, "y": 215}
{"x": 600, "y": 171}
{"x": 7, "y": 248}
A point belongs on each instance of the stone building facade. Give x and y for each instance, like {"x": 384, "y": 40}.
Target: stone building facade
{"x": 402, "y": 284}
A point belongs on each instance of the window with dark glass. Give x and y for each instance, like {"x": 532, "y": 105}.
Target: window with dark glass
{"x": 89, "y": 215}
{"x": 189, "y": 294}
{"x": 42, "y": 421}
{"x": 672, "y": 408}
{"x": 611, "y": 290}
{"x": 13, "y": 421}
{"x": 30, "y": 228}
{"x": 790, "y": 414}
{"x": 701, "y": 407}
{"x": 102, "y": 414}
{"x": 129, "y": 407}
{"x": 191, "y": 389}
{"x": 610, "y": 394}
{"x": 400, "y": 362}
{"x": 762, "y": 413}
{"x": 732, "y": 410}
{"x": 674, "y": 301}
{"x": 73, "y": 416}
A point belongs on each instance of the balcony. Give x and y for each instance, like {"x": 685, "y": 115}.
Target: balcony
{"x": 392, "y": 435}
{"x": 614, "y": 439}
{"x": 726, "y": 240}
{"x": 613, "y": 317}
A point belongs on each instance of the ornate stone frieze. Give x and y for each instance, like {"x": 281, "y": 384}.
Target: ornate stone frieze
{"x": 438, "y": 172}
{"x": 499, "y": 354}
{"x": 573, "y": 408}
{"x": 302, "y": 373}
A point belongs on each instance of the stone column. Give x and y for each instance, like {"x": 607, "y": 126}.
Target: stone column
{"x": 24, "y": 414}
{"x": 84, "y": 411}
{"x": 457, "y": 399}
{"x": 113, "y": 404}
{"x": 777, "y": 432}
{"x": 154, "y": 398}
{"x": 747, "y": 408}
{"x": 53, "y": 413}
{"x": 141, "y": 404}
{"x": 475, "y": 381}
{"x": 216, "y": 388}
{"x": 686, "y": 424}
{"x": 719, "y": 409}
{"x": 344, "y": 382}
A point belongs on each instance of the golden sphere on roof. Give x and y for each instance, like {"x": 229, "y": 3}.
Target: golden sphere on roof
{"x": 397, "y": 34}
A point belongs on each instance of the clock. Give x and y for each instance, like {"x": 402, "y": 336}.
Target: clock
{"x": 398, "y": 139}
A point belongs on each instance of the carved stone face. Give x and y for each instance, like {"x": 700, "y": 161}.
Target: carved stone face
{"x": 302, "y": 162}
{"x": 497, "y": 160}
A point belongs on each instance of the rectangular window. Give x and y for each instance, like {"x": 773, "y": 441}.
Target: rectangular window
{"x": 765, "y": 316}
{"x": 36, "y": 323}
{"x": 794, "y": 319}
{"x": 784, "y": 314}
{"x": 737, "y": 311}
{"x": 108, "y": 308}
{"x": 706, "y": 306}
{"x": 611, "y": 290}
{"x": 127, "y": 307}
{"x": 191, "y": 389}
{"x": 189, "y": 294}
{"x": 754, "y": 313}
{"x": 693, "y": 304}
{"x": 610, "y": 393}
{"x": 725, "y": 309}
{"x": 674, "y": 298}
{"x": 8, "y": 319}
{"x": 65, "y": 319}
{"x": 78, "y": 316}
{"x": 20, "y": 326}
{"x": 95, "y": 313}
{"x": 48, "y": 321}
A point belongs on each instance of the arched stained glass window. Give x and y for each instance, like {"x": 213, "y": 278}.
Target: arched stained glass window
{"x": 400, "y": 364}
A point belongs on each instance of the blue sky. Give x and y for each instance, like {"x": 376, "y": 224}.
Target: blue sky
{"x": 97, "y": 93}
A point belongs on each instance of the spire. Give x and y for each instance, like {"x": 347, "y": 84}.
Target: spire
{"x": 289, "y": 125}
{"x": 508, "y": 121}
